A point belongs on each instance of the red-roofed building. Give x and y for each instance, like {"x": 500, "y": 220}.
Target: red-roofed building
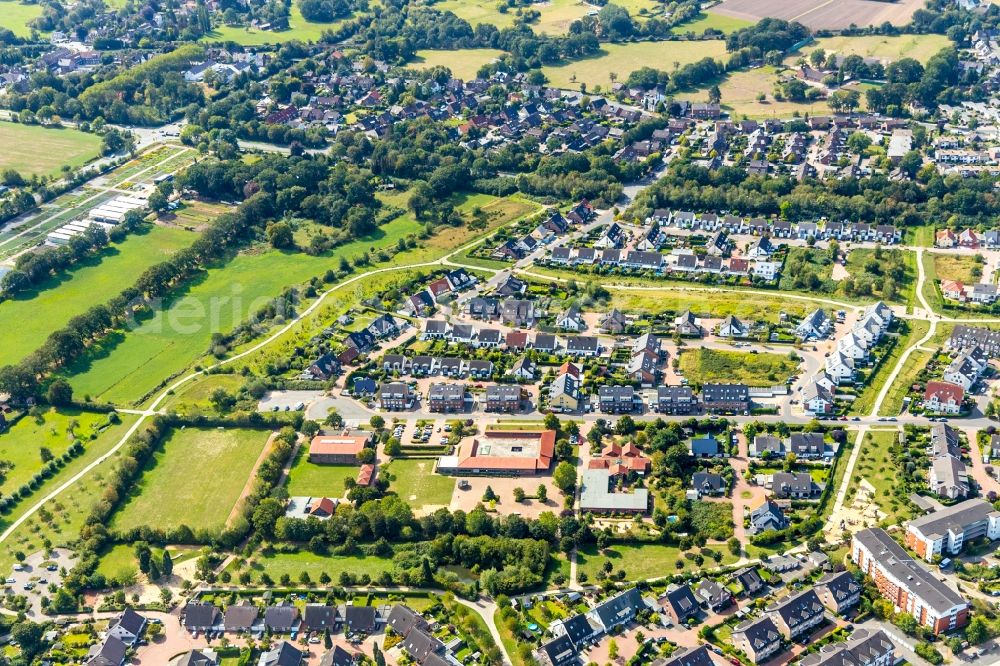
{"x": 337, "y": 449}
{"x": 739, "y": 265}
{"x": 439, "y": 287}
{"x": 569, "y": 368}
{"x": 517, "y": 340}
{"x": 621, "y": 460}
{"x": 953, "y": 290}
{"x": 943, "y": 397}
{"x": 503, "y": 453}
{"x": 366, "y": 475}
{"x": 322, "y": 507}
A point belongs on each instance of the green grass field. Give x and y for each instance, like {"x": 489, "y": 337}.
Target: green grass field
{"x": 888, "y": 47}
{"x": 307, "y": 479}
{"x": 195, "y": 480}
{"x": 63, "y": 517}
{"x": 622, "y": 59}
{"x": 294, "y": 564}
{"x": 875, "y": 466}
{"x": 740, "y": 92}
{"x": 863, "y": 404}
{"x": 193, "y": 397}
{"x": 711, "y": 21}
{"x": 641, "y": 561}
{"x": 33, "y": 149}
{"x": 133, "y": 364}
{"x": 915, "y": 362}
{"x": 703, "y": 366}
{"x": 415, "y": 482}
{"x": 22, "y": 443}
{"x": 299, "y": 29}
{"x": 36, "y": 314}
{"x": 15, "y": 16}
{"x": 463, "y": 63}
{"x": 556, "y": 16}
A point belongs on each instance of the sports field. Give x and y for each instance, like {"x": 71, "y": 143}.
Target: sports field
{"x": 623, "y": 59}
{"x": 15, "y": 16}
{"x": 416, "y": 483}
{"x": 130, "y": 365}
{"x": 36, "y": 314}
{"x": 711, "y": 21}
{"x": 194, "y": 480}
{"x": 299, "y": 29}
{"x": 33, "y": 149}
{"x": 463, "y": 63}
{"x": 885, "y": 47}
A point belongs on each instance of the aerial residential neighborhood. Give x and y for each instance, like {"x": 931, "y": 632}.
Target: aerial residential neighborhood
{"x": 456, "y": 333}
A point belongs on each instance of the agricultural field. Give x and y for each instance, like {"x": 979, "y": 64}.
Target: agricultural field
{"x": 414, "y": 481}
{"x": 54, "y": 431}
{"x": 556, "y": 16}
{"x": 704, "y": 366}
{"x": 62, "y": 518}
{"x": 169, "y": 487}
{"x": 133, "y": 363}
{"x": 15, "y": 16}
{"x": 37, "y": 150}
{"x": 194, "y": 215}
{"x": 711, "y": 21}
{"x": 463, "y": 63}
{"x": 306, "y": 479}
{"x": 883, "y": 47}
{"x": 820, "y": 14}
{"x": 622, "y": 59}
{"x": 36, "y": 314}
{"x": 299, "y": 30}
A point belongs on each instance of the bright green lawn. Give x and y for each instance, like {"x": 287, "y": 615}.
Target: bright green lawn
{"x": 131, "y": 365}
{"x": 915, "y": 362}
{"x": 194, "y": 480}
{"x": 641, "y": 561}
{"x": 863, "y": 404}
{"x": 463, "y": 63}
{"x": 300, "y": 29}
{"x": 15, "y": 16}
{"x": 702, "y": 366}
{"x": 193, "y": 397}
{"x": 54, "y": 430}
{"x": 63, "y": 517}
{"x": 294, "y": 564}
{"x": 36, "y": 314}
{"x": 623, "y": 59}
{"x": 415, "y": 482}
{"x": 307, "y": 479}
{"x": 556, "y": 16}
{"x": 710, "y": 20}
{"x": 33, "y": 149}
{"x": 875, "y": 465}
{"x": 889, "y": 47}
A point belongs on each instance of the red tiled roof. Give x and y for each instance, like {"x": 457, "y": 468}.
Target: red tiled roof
{"x": 945, "y": 392}
{"x": 366, "y": 475}
{"x": 337, "y": 444}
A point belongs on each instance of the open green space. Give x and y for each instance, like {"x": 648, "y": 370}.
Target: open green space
{"x": 193, "y": 398}
{"x": 22, "y": 445}
{"x": 60, "y": 520}
{"x": 740, "y": 95}
{"x": 711, "y": 21}
{"x": 961, "y": 267}
{"x": 35, "y": 314}
{"x": 885, "y": 47}
{"x": 15, "y": 16}
{"x": 463, "y": 63}
{"x": 703, "y": 366}
{"x": 415, "y": 482}
{"x": 863, "y": 404}
{"x": 299, "y": 30}
{"x": 306, "y": 479}
{"x": 555, "y": 16}
{"x": 875, "y": 465}
{"x": 623, "y": 59}
{"x": 293, "y": 564}
{"x": 128, "y": 366}
{"x": 37, "y": 150}
{"x": 642, "y": 560}
{"x": 915, "y": 362}
{"x": 195, "y": 479}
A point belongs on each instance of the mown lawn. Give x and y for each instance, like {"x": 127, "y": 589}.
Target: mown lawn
{"x": 703, "y": 366}
{"x": 294, "y": 564}
{"x": 622, "y": 59}
{"x": 415, "y": 482}
{"x": 15, "y": 16}
{"x": 711, "y": 21}
{"x": 463, "y": 63}
{"x": 299, "y": 30}
{"x": 306, "y": 479}
{"x": 193, "y": 397}
{"x": 37, "y": 150}
{"x": 35, "y": 314}
{"x": 194, "y": 480}
{"x": 875, "y": 465}
{"x": 642, "y": 560}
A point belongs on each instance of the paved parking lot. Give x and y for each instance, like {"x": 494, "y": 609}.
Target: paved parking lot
{"x": 35, "y": 572}
{"x": 287, "y": 400}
